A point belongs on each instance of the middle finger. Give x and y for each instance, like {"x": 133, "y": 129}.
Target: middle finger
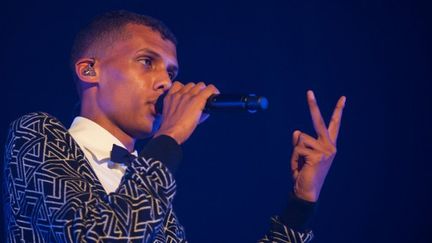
{"x": 318, "y": 121}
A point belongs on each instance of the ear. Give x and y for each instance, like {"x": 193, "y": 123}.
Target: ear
{"x": 86, "y": 70}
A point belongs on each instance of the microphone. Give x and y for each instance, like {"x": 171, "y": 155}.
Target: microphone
{"x": 225, "y": 102}
{"x": 228, "y": 102}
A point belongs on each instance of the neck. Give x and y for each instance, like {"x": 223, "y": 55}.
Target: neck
{"x": 124, "y": 138}
{"x": 107, "y": 124}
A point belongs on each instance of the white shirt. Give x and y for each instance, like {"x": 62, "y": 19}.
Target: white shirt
{"x": 96, "y": 142}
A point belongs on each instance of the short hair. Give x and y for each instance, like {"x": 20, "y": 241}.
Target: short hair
{"x": 106, "y": 29}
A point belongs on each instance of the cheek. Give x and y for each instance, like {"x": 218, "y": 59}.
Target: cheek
{"x": 125, "y": 91}
{"x": 114, "y": 98}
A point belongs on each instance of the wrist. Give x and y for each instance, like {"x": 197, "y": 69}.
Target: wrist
{"x": 173, "y": 135}
{"x": 164, "y": 149}
{"x": 306, "y": 196}
{"x": 298, "y": 213}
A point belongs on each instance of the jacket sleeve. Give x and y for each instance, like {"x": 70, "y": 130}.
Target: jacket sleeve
{"x": 52, "y": 194}
{"x": 293, "y": 225}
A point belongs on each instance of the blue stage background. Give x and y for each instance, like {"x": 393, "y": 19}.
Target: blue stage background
{"x": 236, "y": 173}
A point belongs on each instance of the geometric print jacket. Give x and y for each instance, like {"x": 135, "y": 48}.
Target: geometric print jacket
{"x": 51, "y": 193}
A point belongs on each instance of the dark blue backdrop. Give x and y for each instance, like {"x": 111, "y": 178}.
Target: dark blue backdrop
{"x": 235, "y": 173}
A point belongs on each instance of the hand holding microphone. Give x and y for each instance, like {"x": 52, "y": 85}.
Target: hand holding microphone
{"x": 185, "y": 106}
{"x": 183, "y": 109}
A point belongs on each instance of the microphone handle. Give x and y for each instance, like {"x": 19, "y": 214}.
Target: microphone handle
{"x": 250, "y": 102}
{"x": 227, "y": 102}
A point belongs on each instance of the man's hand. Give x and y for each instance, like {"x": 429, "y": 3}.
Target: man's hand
{"x": 312, "y": 157}
{"x": 182, "y": 110}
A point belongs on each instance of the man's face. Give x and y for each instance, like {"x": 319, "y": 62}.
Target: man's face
{"x": 133, "y": 74}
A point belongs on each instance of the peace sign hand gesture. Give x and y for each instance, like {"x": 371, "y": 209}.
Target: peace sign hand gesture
{"x": 312, "y": 157}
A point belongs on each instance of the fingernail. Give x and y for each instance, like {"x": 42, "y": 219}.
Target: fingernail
{"x": 311, "y": 94}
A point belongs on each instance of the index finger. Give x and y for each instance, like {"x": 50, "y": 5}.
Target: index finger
{"x": 317, "y": 119}
{"x": 208, "y": 91}
{"x": 176, "y": 86}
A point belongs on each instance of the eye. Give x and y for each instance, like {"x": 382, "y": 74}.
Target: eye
{"x": 147, "y": 61}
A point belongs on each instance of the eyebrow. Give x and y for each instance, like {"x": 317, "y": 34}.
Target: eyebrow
{"x": 171, "y": 68}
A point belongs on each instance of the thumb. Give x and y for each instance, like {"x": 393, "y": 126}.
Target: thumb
{"x": 294, "y": 164}
{"x": 296, "y": 137}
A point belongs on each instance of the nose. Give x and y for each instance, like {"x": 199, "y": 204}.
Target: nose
{"x": 163, "y": 83}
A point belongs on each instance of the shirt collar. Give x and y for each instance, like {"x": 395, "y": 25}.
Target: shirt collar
{"x": 91, "y": 136}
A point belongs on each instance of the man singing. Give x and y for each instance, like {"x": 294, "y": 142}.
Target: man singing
{"x": 88, "y": 184}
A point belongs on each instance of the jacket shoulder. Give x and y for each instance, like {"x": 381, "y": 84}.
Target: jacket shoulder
{"x": 36, "y": 122}
{"x": 37, "y": 128}
{"x": 38, "y": 116}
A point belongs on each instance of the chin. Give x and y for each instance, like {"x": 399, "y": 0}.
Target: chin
{"x": 147, "y": 128}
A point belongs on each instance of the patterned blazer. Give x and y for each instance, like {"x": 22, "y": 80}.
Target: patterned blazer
{"x": 51, "y": 193}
